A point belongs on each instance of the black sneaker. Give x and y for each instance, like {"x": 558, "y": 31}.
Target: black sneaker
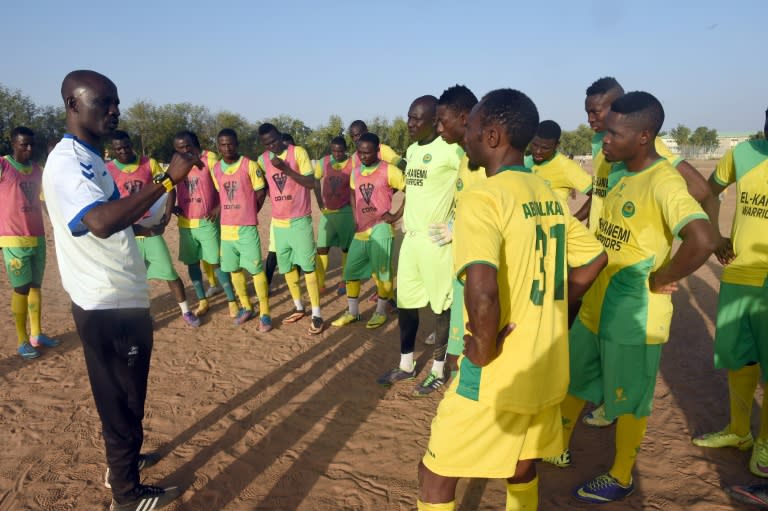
{"x": 145, "y": 461}
{"x": 431, "y": 383}
{"x": 395, "y": 375}
{"x": 147, "y": 498}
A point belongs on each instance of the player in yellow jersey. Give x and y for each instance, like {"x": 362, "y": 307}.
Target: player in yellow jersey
{"x": 615, "y": 343}
{"x": 386, "y": 153}
{"x": 600, "y": 95}
{"x": 561, "y": 173}
{"x": 741, "y": 338}
{"x": 516, "y": 243}
{"x": 453, "y": 107}
{"x": 22, "y": 238}
{"x": 424, "y": 267}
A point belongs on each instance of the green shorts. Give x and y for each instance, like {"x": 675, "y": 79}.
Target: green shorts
{"x": 424, "y": 274}
{"x": 157, "y": 258}
{"x": 456, "y": 331}
{"x": 371, "y": 256}
{"x": 623, "y": 376}
{"x": 741, "y": 336}
{"x": 295, "y": 245}
{"x": 200, "y": 243}
{"x": 272, "y": 237}
{"x": 25, "y": 265}
{"x": 245, "y": 252}
{"x": 336, "y": 229}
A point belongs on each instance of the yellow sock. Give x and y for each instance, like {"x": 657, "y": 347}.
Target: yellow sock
{"x": 292, "y": 281}
{"x": 238, "y": 282}
{"x": 446, "y": 506}
{"x": 19, "y": 310}
{"x": 321, "y": 264}
{"x": 312, "y": 289}
{"x": 353, "y": 288}
{"x": 570, "y": 409}
{"x": 764, "y": 417}
{"x": 383, "y": 287}
{"x": 210, "y": 274}
{"x": 262, "y": 292}
{"x": 741, "y": 392}
{"x": 34, "y": 307}
{"x": 629, "y": 435}
{"x": 523, "y": 495}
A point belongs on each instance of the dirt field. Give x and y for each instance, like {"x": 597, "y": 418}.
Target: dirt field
{"x": 289, "y": 421}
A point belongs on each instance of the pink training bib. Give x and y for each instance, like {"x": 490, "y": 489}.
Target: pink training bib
{"x": 335, "y": 183}
{"x": 129, "y": 183}
{"x": 373, "y": 196}
{"x": 21, "y": 213}
{"x": 289, "y": 198}
{"x": 238, "y": 198}
{"x": 196, "y": 195}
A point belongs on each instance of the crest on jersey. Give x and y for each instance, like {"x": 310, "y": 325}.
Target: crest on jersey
{"x": 133, "y": 186}
{"x": 628, "y": 209}
{"x": 459, "y": 185}
{"x": 367, "y": 190}
{"x": 427, "y": 158}
{"x": 280, "y": 180}
{"x": 231, "y": 188}
{"x": 192, "y": 184}
{"x": 28, "y": 189}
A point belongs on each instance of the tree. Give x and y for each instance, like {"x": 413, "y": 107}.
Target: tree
{"x": 680, "y": 135}
{"x": 578, "y": 141}
{"x": 319, "y": 141}
{"x": 703, "y": 141}
{"x": 757, "y": 136}
{"x": 17, "y": 109}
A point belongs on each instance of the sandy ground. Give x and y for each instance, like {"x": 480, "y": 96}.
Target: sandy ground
{"x": 289, "y": 421}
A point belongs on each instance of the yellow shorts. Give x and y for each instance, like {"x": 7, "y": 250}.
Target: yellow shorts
{"x": 424, "y": 274}
{"x": 470, "y": 439}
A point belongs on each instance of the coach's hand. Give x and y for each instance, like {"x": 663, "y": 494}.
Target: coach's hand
{"x": 181, "y": 164}
{"x": 442, "y": 234}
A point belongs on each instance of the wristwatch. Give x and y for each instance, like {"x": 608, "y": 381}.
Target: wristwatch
{"x": 165, "y": 180}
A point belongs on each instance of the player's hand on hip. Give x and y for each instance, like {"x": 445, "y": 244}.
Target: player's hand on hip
{"x": 661, "y": 289}
{"x": 724, "y": 251}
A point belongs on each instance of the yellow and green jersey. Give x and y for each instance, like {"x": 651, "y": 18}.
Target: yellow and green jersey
{"x": 562, "y": 175}
{"x": 468, "y": 177}
{"x": 430, "y": 184}
{"x": 514, "y": 223}
{"x": 602, "y": 170}
{"x": 641, "y": 215}
{"x": 386, "y": 153}
{"x": 747, "y": 166}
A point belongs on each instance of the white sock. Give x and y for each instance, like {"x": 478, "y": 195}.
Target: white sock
{"x": 381, "y": 306}
{"x": 406, "y": 361}
{"x": 184, "y": 307}
{"x": 299, "y": 306}
{"x": 316, "y": 312}
{"x": 437, "y": 367}
{"x": 354, "y": 306}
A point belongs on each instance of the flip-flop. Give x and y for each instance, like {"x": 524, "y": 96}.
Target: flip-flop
{"x": 294, "y": 317}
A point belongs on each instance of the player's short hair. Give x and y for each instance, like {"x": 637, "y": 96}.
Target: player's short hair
{"x": 458, "y": 98}
{"x": 642, "y": 108}
{"x": 549, "y": 130}
{"x": 191, "y": 135}
{"x": 373, "y": 138}
{"x": 514, "y": 111}
{"x": 339, "y": 141}
{"x": 604, "y": 85}
{"x": 267, "y": 127}
{"x": 288, "y": 138}
{"x": 227, "y": 132}
{"x": 120, "y": 135}
{"x": 358, "y": 124}
{"x": 21, "y": 131}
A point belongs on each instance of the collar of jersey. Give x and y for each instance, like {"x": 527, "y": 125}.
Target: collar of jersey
{"x": 516, "y": 168}
{"x": 84, "y": 144}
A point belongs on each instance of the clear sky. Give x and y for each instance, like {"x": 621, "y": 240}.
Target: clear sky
{"x": 705, "y": 60}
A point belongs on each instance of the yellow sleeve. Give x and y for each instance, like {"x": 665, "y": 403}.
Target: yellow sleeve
{"x": 677, "y": 206}
{"x": 352, "y": 179}
{"x": 582, "y": 246}
{"x": 395, "y": 177}
{"x": 213, "y": 158}
{"x": 577, "y": 177}
{"x": 303, "y": 161}
{"x": 665, "y": 153}
{"x": 155, "y": 167}
{"x": 389, "y": 155}
{"x": 319, "y": 168}
{"x": 725, "y": 172}
{"x": 477, "y": 225}
{"x": 256, "y": 175}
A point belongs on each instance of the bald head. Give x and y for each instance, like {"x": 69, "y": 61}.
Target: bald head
{"x": 91, "y": 103}
{"x": 422, "y": 119}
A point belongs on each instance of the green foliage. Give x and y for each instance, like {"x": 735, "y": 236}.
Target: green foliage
{"x": 680, "y": 135}
{"x": 578, "y": 141}
{"x": 699, "y": 143}
{"x": 19, "y": 110}
{"x": 757, "y": 136}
